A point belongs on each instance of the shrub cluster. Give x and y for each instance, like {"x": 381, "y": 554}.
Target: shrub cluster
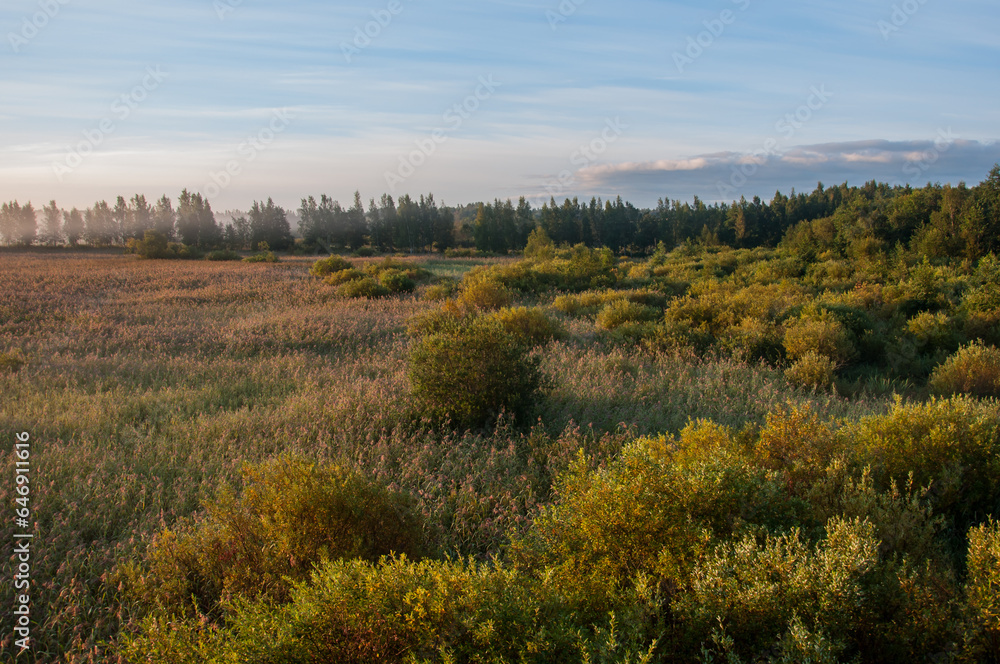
{"x": 470, "y": 373}
{"x": 797, "y": 541}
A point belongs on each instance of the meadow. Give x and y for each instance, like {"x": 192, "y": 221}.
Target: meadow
{"x": 730, "y": 456}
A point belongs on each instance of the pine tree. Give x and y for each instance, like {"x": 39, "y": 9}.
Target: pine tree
{"x": 52, "y": 231}
{"x": 73, "y": 226}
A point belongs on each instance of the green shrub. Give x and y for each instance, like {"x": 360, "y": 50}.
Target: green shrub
{"x": 539, "y": 247}
{"x": 982, "y": 595}
{"x": 153, "y": 245}
{"x": 821, "y": 334}
{"x": 411, "y": 270}
{"x": 951, "y": 446}
{"x": 262, "y": 257}
{"x": 344, "y": 276}
{"x": 812, "y": 370}
{"x": 223, "y": 255}
{"x": 366, "y": 287}
{"x": 472, "y": 374}
{"x": 328, "y": 266}
{"x": 585, "y": 304}
{"x": 364, "y": 252}
{"x": 397, "y": 281}
{"x": 444, "y": 288}
{"x": 975, "y": 370}
{"x": 402, "y": 612}
{"x": 649, "y": 512}
{"x": 291, "y": 515}
{"x": 934, "y": 335}
{"x": 753, "y": 339}
{"x": 484, "y": 295}
{"x": 529, "y": 326}
{"x": 181, "y": 250}
{"x": 758, "y": 591}
{"x": 621, "y": 312}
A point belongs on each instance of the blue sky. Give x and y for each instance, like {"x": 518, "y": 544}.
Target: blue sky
{"x": 247, "y": 99}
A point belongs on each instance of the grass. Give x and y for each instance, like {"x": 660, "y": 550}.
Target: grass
{"x": 147, "y": 385}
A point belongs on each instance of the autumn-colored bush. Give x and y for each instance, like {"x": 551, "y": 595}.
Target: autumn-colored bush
{"x": 982, "y": 595}
{"x": 484, "y": 295}
{"x": 812, "y": 370}
{"x": 343, "y": 276}
{"x": 327, "y": 266}
{"x": 621, "y": 312}
{"x": 531, "y": 326}
{"x": 975, "y": 370}
{"x": 291, "y": 515}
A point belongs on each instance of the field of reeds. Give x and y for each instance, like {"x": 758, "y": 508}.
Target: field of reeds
{"x": 157, "y": 393}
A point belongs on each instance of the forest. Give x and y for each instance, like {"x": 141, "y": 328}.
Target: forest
{"x": 936, "y": 221}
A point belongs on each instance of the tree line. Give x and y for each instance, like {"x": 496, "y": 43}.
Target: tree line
{"x": 935, "y": 220}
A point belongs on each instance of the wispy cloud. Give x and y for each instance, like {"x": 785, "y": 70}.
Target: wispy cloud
{"x": 803, "y": 166}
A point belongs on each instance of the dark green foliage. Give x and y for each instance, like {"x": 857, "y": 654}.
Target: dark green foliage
{"x": 397, "y": 281}
{"x": 269, "y": 223}
{"x": 155, "y": 245}
{"x": 362, "y": 288}
{"x": 223, "y": 255}
{"x": 471, "y": 374}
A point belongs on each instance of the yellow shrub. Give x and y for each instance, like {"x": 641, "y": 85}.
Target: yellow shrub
{"x": 812, "y": 370}
{"x": 975, "y": 370}
{"x": 819, "y": 334}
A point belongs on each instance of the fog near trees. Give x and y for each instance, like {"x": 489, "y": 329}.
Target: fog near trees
{"x": 935, "y": 220}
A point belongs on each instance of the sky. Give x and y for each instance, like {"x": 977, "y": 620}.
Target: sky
{"x": 243, "y": 100}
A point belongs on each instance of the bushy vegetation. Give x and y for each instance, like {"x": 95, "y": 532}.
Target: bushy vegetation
{"x": 292, "y": 515}
{"x": 704, "y": 453}
{"x": 471, "y": 374}
{"x": 786, "y": 541}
